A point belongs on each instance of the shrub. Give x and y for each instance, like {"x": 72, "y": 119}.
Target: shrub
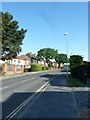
{"x": 29, "y": 69}
{"x": 36, "y": 67}
{"x": 76, "y": 60}
{"x": 50, "y": 65}
{"x": 73, "y": 70}
{"x": 88, "y": 71}
{"x": 44, "y": 68}
{"x": 80, "y": 72}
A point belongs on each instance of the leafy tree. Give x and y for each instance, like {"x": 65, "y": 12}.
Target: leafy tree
{"x": 61, "y": 58}
{"x": 76, "y": 60}
{"x": 0, "y": 35}
{"x": 47, "y": 54}
{"x": 12, "y": 37}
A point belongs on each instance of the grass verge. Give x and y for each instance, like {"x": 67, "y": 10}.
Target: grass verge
{"x": 72, "y": 82}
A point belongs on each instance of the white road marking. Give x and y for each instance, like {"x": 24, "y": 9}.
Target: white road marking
{"x": 3, "y": 87}
{"x": 41, "y": 89}
{"x": 24, "y": 81}
{"x": 27, "y": 80}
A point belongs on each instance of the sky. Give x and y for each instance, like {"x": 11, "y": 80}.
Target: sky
{"x": 46, "y": 23}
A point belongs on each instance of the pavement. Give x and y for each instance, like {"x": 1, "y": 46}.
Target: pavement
{"x": 56, "y": 101}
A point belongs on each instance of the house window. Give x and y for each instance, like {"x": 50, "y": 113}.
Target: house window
{"x": 18, "y": 61}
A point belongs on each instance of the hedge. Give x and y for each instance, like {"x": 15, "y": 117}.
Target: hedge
{"x": 36, "y": 67}
{"x": 82, "y": 72}
{"x": 44, "y": 68}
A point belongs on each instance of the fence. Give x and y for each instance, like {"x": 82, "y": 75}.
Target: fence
{"x": 12, "y": 69}
{"x": 9, "y": 67}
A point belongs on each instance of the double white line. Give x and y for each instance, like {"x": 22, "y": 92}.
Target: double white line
{"x": 41, "y": 89}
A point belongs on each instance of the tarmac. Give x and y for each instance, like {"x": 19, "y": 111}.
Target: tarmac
{"x": 56, "y": 101}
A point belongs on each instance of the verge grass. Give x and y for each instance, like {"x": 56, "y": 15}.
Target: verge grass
{"x": 73, "y": 82}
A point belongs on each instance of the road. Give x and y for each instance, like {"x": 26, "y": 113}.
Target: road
{"x": 16, "y": 90}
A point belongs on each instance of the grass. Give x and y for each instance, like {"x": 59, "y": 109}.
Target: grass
{"x": 72, "y": 82}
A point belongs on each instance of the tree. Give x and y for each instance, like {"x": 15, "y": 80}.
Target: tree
{"x": 0, "y": 35}
{"x": 12, "y": 37}
{"x": 61, "y": 58}
{"x": 76, "y": 60}
{"x": 47, "y": 54}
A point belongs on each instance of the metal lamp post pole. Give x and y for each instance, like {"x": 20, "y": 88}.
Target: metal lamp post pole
{"x": 67, "y": 52}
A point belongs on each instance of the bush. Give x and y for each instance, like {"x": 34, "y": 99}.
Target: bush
{"x": 36, "y": 67}
{"x": 73, "y": 72}
{"x": 50, "y": 65}
{"x": 76, "y": 60}
{"x": 29, "y": 69}
{"x": 80, "y": 72}
{"x": 44, "y": 68}
{"x": 88, "y": 71}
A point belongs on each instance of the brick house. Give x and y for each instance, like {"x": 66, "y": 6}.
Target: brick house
{"x": 26, "y": 59}
{"x": 14, "y": 66}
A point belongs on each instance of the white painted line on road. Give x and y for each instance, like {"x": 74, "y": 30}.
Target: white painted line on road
{"x": 4, "y": 88}
{"x": 25, "y": 81}
{"x": 41, "y": 89}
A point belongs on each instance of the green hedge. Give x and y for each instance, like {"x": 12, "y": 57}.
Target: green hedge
{"x": 82, "y": 72}
{"x": 88, "y": 71}
{"x": 44, "y": 68}
{"x": 73, "y": 70}
{"x": 36, "y": 67}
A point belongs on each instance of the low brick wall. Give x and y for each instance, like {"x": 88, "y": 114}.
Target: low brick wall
{"x": 12, "y": 69}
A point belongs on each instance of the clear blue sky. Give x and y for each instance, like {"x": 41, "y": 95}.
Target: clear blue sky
{"x": 46, "y": 24}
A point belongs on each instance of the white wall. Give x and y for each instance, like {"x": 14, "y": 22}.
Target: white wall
{"x": 17, "y": 62}
{"x": 1, "y": 62}
{"x": 14, "y": 61}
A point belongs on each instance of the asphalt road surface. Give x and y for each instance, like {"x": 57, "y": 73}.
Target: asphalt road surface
{"x": 16, "y": 90}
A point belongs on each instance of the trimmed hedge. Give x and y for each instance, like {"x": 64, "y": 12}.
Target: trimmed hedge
{"x": 44, "y": 68}
{"x": 82, "y": 72}
{"x": 73, "y": 70}
{"x": 36, "y": 67}
{"x": 88, "y": 71}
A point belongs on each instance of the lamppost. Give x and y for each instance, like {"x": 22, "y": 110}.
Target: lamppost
{"x": 66, "y": 52}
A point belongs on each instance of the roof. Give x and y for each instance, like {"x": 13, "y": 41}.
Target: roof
{"x": 30, "y": 55}
{"x": 23, "y": 57}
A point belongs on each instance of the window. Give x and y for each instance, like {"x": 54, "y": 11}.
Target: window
{"x": 18, "y": 61}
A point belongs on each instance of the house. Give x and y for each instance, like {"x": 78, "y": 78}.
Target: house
{"x": 41, "y": 61}
{"x": 26, "y": 60}
{"x": 32, "y": 57}
{"x": 16, "y": 65}
{"x": 13, "y": 66}
{"x": 13, "y": 62}
{"x": 54, "y": 63}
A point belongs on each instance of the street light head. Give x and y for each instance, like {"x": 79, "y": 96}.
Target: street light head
{"x": 65, "y": 33}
